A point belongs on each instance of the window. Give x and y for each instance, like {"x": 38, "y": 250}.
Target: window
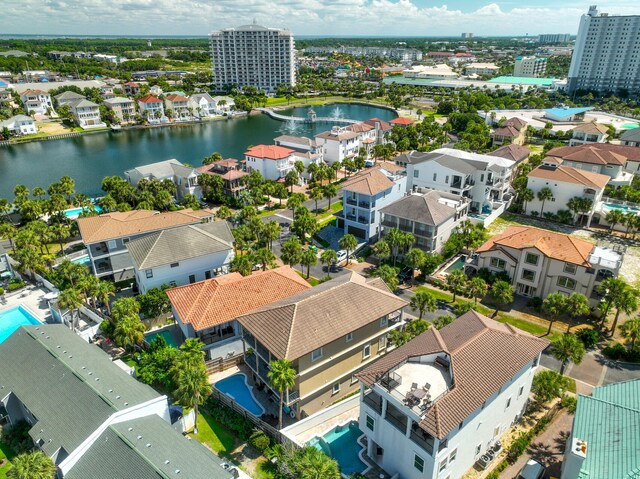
{"x": 520, "y": 391}
{"x": 570, "y": 268}
{"x": 531, "y": 259}
{"x": 565, "y": 282}
{"x": 207, "y": 275}
{"x": 125, "y": 240}
{"x": 498, "y": 263}
{"x": 317, "y": 354}
{"x": 383, "y": 321}
{"x": 446, "y": 179}
{"x": 192, "y": 278}
{"x": 528, "y": 275}
{"x": 348, "y": 337}
{"x": 508, "y": 403}
{"x": 111, "y": 244}
{"x": 453, "y": 455}
{"x": 174, "y": 265}
{"x": 354, "y": 379}
{"x": 416, "y": 173}
{"x": 366, "y": 351}
{"x": 382, "y": 344}
{"x": 418, "y": 463}
{"x": 435, "y": 177}
{"x": 149, "y": 273}
{"x": 336, "y": 388}
{"x": 478, "y": 448}
{"x": 442, "y": 466}
{"x": 371, "y": 423}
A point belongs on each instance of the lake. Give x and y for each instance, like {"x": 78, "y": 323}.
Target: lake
{"x": 89, "y": 158}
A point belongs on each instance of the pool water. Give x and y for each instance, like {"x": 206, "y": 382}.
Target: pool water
{"x": 236, "y": 388}
{"x": 12, "y": 319}
{"x": 168, "y": 337}
{"x": 85, "y": 260}
{"x": 456, "y": 265}
{"x": 341, "y": 444}
{"x": 75, "y": 212}
{"x": 625, "y": 209}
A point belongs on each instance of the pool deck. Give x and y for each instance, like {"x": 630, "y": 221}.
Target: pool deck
{"x": 320, "y": 430}
{"x": 32, "y": 297}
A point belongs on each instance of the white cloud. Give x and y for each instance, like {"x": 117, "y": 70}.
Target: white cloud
{"x": 303, "y": 17}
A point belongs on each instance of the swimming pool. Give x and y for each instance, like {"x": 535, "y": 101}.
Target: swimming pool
{"x": 341, "y": 443}
{"x": 75, "y": 212}
{"x": 168, "y": 337}
{"x": 624, "y": 209}
{"x": 237, "y": 388}
{"x": 85, "y": 260}
{"x": 12, "y": 319}
{"x": 456, "y": 265}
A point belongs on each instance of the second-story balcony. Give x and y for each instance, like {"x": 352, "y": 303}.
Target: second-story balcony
{"x": 366, "y": 204}
{"x": 352, "y": 201}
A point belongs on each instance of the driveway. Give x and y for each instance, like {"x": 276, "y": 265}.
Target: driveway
{"x": 444, "y": 309}
{"x": 547, "y": 448}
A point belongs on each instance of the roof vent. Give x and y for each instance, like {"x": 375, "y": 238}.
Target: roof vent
{"x": 130, "y": 429}
{"x": 71, "y": 356}
{"x": 110, "y": 390}
{"x": 90, "y": 373}
{"x": 167, "y": 461}
{"x": 148, "y": 444}
{"x": 126, "y": 404}
{"x": 58, "y": 346}
{"x": 117, "y": 397}
{"x": 139, "y": 437}
{"x": 84, "y": 367}
{"x": 97, "y": 379}
{"x": 177, "y": 471}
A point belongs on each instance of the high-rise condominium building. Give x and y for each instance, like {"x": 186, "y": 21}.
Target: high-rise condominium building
{"x": 554, "y": 38}
{"x": 252, "y": 55}
{"x": 606, "y": 57}
{"x": 532, "y": 67}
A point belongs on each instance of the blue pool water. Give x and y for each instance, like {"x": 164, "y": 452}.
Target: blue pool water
{"x": 341, "y": 443}
{"x": 237, "y": 389}
{"x": 75, "y": 212}
{"x": 624, "y": 209}
{"x": 12, "y": 319}
{"x": 168, "y": 337}
{"x": 82, "y": 260}
{"x": 457, "y": 264}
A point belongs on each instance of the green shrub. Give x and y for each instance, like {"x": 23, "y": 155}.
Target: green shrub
{"x": 570, "y": 403}
{"x": 535, "y": 303}
{"x": 589, "y": 337}
{"x": 17, "y": 437}
{"x": 259, "y": 440}
{"x": 614, "y": 351}
{"x": 1, "y": 291}
{"x": 15, "y": 284}
{"x": 230, "y": 418}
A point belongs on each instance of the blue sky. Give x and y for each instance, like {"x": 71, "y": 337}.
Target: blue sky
{"x": 303, "y": 17}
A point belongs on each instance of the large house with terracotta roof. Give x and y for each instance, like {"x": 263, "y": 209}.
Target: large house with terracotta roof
{"x": 540, "y": 262}
{"x": 365, "y": 194}
{"x": 329, "y": 333}
{"x": 338, "y": 143}
{"x": 37, "y": 102}
{"x": 272, "y": 161}
{"x": 152, "y": 109}
{"x": 305, "y": 150}
{"x": 106, "y": 236}
{"x": 233, "y": 176}
{"x": 515, "y": 153}
{"x": 208, "y": 309}
{"x": 513, "y": 131}
{"x": 180, "y": 106}
{"x": 565, "y": 182}
{"x": 588, "y": 133}
{"x": 435, "y": 406}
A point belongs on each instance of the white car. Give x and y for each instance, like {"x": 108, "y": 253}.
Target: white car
{"x": 235, "y": 471}
{"x": 341, "y": 256}
{"x": 532, "y": 470}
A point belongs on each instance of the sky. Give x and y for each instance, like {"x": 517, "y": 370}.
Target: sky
{"x": 302, "y": 17}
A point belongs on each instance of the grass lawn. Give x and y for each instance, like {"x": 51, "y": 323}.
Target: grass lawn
{"x": 5, "y": 452}
{"x": 265, "y": 470}
{"x": 311, "y": 280}
{"x": 214, "y": 435}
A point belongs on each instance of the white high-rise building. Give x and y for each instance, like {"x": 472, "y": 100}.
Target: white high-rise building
{"x": 606, "y": 57}
{"x": 554, "y": 38}
{"x": 252, "y": 55}
{"x": 530, "y": 67}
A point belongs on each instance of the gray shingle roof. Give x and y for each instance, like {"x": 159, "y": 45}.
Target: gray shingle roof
{"x": 181, "y": 243}
{"x": 69, "y": 95}
{"x": 631, "y": 135}
{"x": 119, "y": 454}
{"x": 422, "y": 208}
{"x": 70, "y": 386}
{"x": 160, "y": 170}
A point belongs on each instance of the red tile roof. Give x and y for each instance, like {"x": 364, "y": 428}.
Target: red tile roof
{"x": 401, "y": 121}
{"x": 384, "y": 125}
{"x": 270, "y": 152}
{"x": 568, "y": 174}
{"x": 597, "y": 153}
{"x": 150, "y": 99}
{"x": 175, "y": 97}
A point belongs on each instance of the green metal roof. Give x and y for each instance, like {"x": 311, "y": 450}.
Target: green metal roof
{"x": 610, "y": 423}
{"x": 523, "y": 80}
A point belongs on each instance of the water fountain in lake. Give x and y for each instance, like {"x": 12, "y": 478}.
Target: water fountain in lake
{"x": 337, "y": 113}
{"x": 292, "y": 127}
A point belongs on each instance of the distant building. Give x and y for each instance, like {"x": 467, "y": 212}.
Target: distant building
{"x": 305, "y": 150}
{"x": 430, "y": 72}
{"x": 204, "y": 105}
{"x": 588, "y": 133}
{"x": 123, "y": 108}
{"x": 513, "y": 131}
{"x": 516, "y": 153}
{"x": 13, "y": 53}
{"x": 179, "y": 105}
{"x": 614, "y": 161}
{"x": 467, "y": 35}
{"x": 273, "y": 162}
{"x": 481, "y": 69}
{"x": 131, "y": 88}
{"x": 554, "y": 38}
{"x": 86, "y": 114}
{"x": 338, "y": 143}
{"x": 184, "y": 177}
{"x": 152, "y": 109}
{"x": 565, "y": 114}
{"x": 252, "y": 55}
{"x": 68, "y": 97}
{"x": 530, "y": 67}
{"x": 605, "y": 58}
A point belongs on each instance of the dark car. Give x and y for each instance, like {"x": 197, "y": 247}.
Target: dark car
{"x": 405, "y": 274}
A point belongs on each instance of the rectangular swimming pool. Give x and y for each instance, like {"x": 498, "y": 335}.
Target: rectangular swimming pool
{"x": 12, "y": 319}
{"x": 341, "y": 444}
{"x": 73, "y": 213}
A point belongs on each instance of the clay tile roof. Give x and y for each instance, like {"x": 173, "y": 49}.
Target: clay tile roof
{"x": 512, "y": 152}
{"x": 401, "y": 121}
{"x": 270, "y": 152}
{"x": 218, "y": 300}
{"x": 384, "y": 125}
{"x": 484, "y": 354}
{"x": 591, "y": 127}
{"x": 368, "y": 182}
{"x": 118, "y": 224}
{"x": 360, "y": 127}
{"x": 592, "y": 153}
{"x": 568, "y": 174}
{"x": 234, "y": 175}
{"x": 507, "y": 130}
{"x": 517, "y": 123}
{"x": 554, "y": 245}
{"x": 175, "y": 97}
{"x": 304, "y": 322}
{"x": 34, "y": 92}
{"x": 150, "y": 99}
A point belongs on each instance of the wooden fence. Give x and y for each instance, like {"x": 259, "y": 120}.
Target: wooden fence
{"x": 221, "y": 364}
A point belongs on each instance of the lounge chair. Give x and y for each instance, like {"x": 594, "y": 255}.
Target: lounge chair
{"x": 414, "y": 386}
{"x": 426, "y": 386}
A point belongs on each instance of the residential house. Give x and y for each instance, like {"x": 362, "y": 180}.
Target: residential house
{"x": 540, "y": 262}
{"x": 232, "y": 175}
{"x": 36, "y": 102}
{"x": 88, "y": 415}
{"x": 327, "y": 341}
{"x": 338, "y": 143}
{"x": 305, "y": 150}
{"x": 106, "y": 236}
{"x": 106, "y": 92}
{"x": 179, "y": 104}
{"x": 86, "y": 114}
{"x": 152, "y": 109}
{"x": 208, "y": 310}
{"x": 5, "y": 93}
{"x": 6, "y": 271}
{"x": 513, "y": 131}
{"x": 515, "y": 153}
{"x": 68, "y": 97}
{"x": 202, "y": 105}
{"x": 431, "y": 217}
{"x": 272, "y": 161}
{"x": 156, "y": 90}
{"x": 482, "y": 69}
{"x": 434, "y": 406}
{"x": 588, "y": 133}
{"x": 382, "y": 129}
{"x": 184, "y": 177}
{"x": 365, "y": 194}
{"x": 610, "y": 160}
{"x": 19, "y": 125}
{"x": 484, "y": 179}
{"x": 400, "y": 121}
{"x": 603, "y": 440}
{"x": 628, "y": 138}
{"x": 131, "y": 88}
{"x": 223, "y": 104}
{"x": 123, "y": 108}
{"x": 181, "y": 255}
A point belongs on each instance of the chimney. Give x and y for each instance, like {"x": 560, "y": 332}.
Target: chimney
{"x": 574, "y": 458}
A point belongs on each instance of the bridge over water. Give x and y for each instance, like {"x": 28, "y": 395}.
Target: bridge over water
{"x": 309, "y": 120}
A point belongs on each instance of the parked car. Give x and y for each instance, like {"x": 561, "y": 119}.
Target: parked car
{"x": 405, "y": 274}
{"x": 532, "y": 470}
{"x": 341, "y": 256}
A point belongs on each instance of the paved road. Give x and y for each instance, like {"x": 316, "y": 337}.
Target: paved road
{"x": 443, "y": 307}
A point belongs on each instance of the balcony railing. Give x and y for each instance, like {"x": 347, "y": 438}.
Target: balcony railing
{"x": 352, "y": 202}
{"x": 422, "y": 438}
{"x": 364, "y": 204}
{"x": 374, "y": 401}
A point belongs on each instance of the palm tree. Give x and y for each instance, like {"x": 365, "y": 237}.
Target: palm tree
{"x": 61, "y": 232}
{"x": 328, "y": 257}
{"x": 314, "y": 464}
{"x": 626, "y": 302}
{"x": 394, "y": 239}
{"x": 103, "y": 290}
{"x": 71, "y": 300}
{"x": 329, "y": 191}
{"x": 423, "y": 301}
{"x": 631, "y": 330}
{"x": 295, "y": 201}
{"x": 577, "y": 305}
{"x": 502, "y": 293}
{"x": 282, "y": 377}
{"x": 129, "y": 331}
{"x": 192, "y": 385}
{"x": 271, "y": 232}
{"x": 554, "y": 306}
{"x": 543, "y": 195}
{"x": 8, "y": 231}
{"x": 389, "y": 275}
{"x": 265, "y": 257}
{"x": 567, "y": 348}
{"x": 414, "y": 258}
{"x": 349, "y": 243}
{"x": 456, "y": 280}
{"x": 316, "y": 195}
{"x": 224, "y": 213}
{"x": 32, "y": 465}
{"x": 611, "y": 289}
{"x": 478, "y": 288}
{"x": 308, "y": 259}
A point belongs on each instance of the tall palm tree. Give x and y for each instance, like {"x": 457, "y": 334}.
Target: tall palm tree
{"x": 543, "y": 195}
{"x": 192, "y": 386}
{"x": 478, "y": 288}
{"x": 577, "y": 305}
{"x": 614, "y": 217}
{"x": 129, "y": 331}
{"x": 282, "y": 377}
{"x": 414, "y": 258}
{"x": 265, "y": 257}
{"x": 456, "y": 280}
{"x": 554, "y": 306}
{"x": 308, "y": 259}
{"x": 626, "y": 302}
{"x": 502, "y": 293}
{"x": 104, "y": 290}
{"x": 611, "y": 289}
{"x": 314, "y": 464}
{"x": 567, "y": 348}
{"x": 71, "y": 300}
{"x": 349, "y": 243}
{"x": 32, "y": 465}
{"x": 423, "y": 301}
{"x": 328, "y": 257}
{"x": 631, "y": 330}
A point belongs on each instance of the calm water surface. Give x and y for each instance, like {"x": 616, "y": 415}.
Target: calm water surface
{"x": 88, "y": 159}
